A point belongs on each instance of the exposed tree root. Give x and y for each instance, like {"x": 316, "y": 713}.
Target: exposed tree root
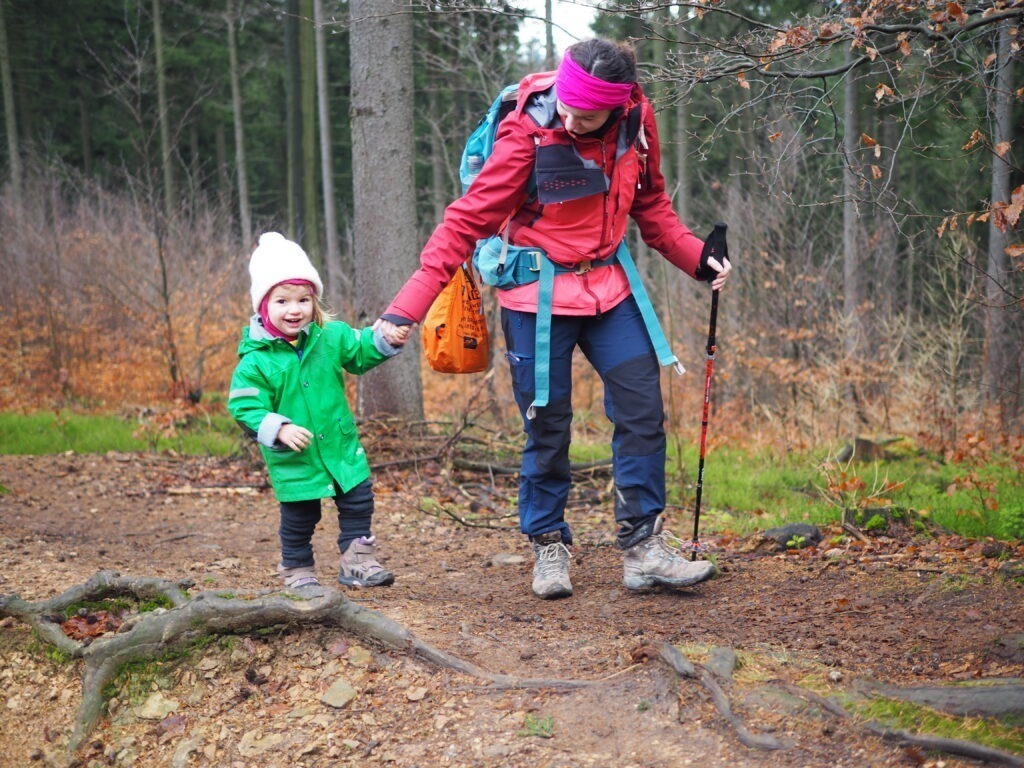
{"x": 152, "y": 634}
{"x": 688, "y": 669}
{"x": 994, "y": 699}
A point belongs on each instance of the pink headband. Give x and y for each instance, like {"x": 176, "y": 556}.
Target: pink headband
{"x": 265, "y": 304}
{"x": 579, "y": 89}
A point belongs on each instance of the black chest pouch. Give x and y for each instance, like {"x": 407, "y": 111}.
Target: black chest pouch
{"x": 561, "y": 174}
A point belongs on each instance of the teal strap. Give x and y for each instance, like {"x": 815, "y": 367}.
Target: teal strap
{"x": 542, "y": 343}
{"x": 643, "y": 301}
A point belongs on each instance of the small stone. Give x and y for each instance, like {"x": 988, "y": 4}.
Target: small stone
{"x": 156, "y": 707}
{"x": 359, "y": 656}
{"x": 339, "y": 694}
{"x": 256, "y": 742}
{"x": 416, "y": 694}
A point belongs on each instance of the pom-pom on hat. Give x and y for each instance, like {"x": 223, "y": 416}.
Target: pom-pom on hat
{"x": 275, "y": 260}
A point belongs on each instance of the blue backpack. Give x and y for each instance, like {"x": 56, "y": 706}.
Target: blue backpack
{"x": 481, "y": 140}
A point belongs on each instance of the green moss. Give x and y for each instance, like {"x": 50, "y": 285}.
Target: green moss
{"x": 905, "y": 716}
{"x": 120, "y": 605}
{"x": 137, "y": 679}
{"x": 38, "y": 647}
{"x": 876, "y": 523}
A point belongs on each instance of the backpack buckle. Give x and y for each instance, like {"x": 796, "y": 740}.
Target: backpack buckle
{"x": 584, "y": 266}
{"x": 537, "y": 256}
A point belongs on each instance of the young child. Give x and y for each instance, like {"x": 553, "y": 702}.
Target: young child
{"x": 288, "y": 393}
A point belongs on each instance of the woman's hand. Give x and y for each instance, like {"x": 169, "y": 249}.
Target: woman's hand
{"x": 295, "y": 437}
{"x": 723, "y": 270}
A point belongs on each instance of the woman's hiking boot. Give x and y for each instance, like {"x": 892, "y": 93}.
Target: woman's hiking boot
{"x": 652, "y": 557}
{"x": 551, "y": 568}
{"x": 302, "y": 580}
{"x": 359, "y": 566}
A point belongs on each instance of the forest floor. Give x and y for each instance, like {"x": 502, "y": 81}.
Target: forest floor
{"x": 897, "y": 609}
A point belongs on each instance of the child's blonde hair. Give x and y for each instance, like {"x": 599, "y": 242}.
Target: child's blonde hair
{"x": 321, "y": 312}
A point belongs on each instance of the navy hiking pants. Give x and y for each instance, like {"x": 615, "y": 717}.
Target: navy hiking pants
{"x": 617, "y": 345}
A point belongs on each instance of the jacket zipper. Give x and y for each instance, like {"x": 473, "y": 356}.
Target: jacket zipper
{"x": 604, "y": 208}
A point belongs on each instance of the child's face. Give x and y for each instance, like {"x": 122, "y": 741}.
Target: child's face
{"x": 290, "y": 307}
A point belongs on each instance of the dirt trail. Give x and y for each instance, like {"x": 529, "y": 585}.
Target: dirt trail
{"x": 896, "y": 611}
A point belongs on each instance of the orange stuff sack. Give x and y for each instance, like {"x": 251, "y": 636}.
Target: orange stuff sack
{"x": 455, "y": 337}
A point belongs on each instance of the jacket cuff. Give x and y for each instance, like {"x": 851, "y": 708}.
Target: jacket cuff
{"x": 397, "y": 319}
{"x": 269, "y": 427}
{"x": 382, "y": 344}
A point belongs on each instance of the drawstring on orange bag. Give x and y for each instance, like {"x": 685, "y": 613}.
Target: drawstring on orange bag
{"x": 455, "y": 337}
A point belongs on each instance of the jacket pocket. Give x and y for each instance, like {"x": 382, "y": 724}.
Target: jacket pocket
{"x": 521, "y": 369}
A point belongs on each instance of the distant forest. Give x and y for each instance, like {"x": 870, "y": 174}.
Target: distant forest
{"x": 866, "y": 157}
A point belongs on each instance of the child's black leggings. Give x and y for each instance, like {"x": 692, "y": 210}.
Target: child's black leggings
{"x": 299, "y": 520}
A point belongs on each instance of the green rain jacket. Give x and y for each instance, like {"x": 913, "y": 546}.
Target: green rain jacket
{"x": 276, "y": 383}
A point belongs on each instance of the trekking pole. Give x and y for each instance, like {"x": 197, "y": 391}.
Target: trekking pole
{"x": 715, "y": 246}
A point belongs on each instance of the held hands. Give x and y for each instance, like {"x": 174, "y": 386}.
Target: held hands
{"x": 295, "y": 437}
{"x": 395, "y": 335}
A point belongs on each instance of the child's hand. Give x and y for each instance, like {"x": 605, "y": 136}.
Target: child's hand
{"x": 295, "y": 437}
{"x": 395, "y": 335}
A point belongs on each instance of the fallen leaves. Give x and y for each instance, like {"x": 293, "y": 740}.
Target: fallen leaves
{"x": 86, "y": 625}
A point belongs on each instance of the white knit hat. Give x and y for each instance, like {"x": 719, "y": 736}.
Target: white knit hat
{"x": 275, "y": 260}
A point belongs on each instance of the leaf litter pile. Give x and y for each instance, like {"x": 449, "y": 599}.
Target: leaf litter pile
{"x": 801, "y": 657}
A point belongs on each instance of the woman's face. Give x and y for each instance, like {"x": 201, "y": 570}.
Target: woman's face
{"x": 581, "y": 121}
{"x": 290, "y": 307}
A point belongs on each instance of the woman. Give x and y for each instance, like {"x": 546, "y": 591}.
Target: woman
{"x": 575, "y": 159}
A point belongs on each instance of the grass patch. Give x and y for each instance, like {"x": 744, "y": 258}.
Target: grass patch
{"x": 212, "y": 434}
{"x": 538, "y": 727}
{"x": 745, "y": 491}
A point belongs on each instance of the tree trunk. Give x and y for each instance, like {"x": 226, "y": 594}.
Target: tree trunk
{"x": 10, "y": 124}
{"x": 307, "y": 63}
{"x": 440, "y": 193}
{"x": 853, "y": 335}
{"x": 549, "y": 37}
{"x": 241, "y": 168}
{"x": 682, "y": 196}
{"x": 384, "y": 200}
{"x": 86, "y": 131}
{"x": 332, "y": 260}
{"x": 293, "y": 119}
{"x": 166, "y": 162}
{"x": 1001, "y": 379}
